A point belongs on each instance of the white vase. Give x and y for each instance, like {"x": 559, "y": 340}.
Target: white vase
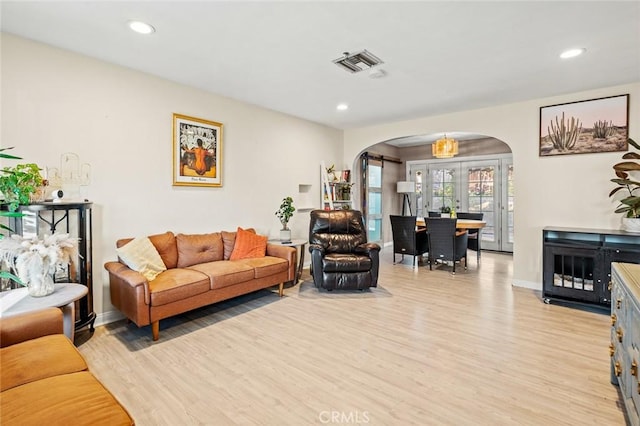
{"x": 285, "y": 235}
{"x": 631, "y": 224}
{"x": 41, "y": 284}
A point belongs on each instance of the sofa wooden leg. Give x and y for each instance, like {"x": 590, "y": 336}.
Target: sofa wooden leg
{"x": 155, "y": 330}
{"x": 281, "y": 289}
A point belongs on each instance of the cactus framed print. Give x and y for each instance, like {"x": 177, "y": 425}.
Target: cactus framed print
{"x": 582, "y": 127}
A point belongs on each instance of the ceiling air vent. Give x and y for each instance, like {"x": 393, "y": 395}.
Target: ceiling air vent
{"x": 356, "y": 62}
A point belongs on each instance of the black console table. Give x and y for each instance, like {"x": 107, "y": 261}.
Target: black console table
{"x": 577, "y": 262}
{"x": 73, "y": 218}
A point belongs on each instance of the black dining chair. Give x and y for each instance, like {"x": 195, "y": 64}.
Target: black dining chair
{"x": 475, "y": 237}
{"x": 445, "y": 242}
{"x": 433, "y": 214}
{"x": 407, "y": 239}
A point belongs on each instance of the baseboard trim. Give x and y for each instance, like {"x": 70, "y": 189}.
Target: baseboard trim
{"x": 108, "y": 317}
{"x": 527, "y": 284}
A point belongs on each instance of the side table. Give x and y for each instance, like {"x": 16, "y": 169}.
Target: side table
{"x": 18, "y": 301}
{"x": 299, "y": 245}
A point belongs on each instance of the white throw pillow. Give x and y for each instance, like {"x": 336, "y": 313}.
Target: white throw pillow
{"x": 141, "y": 255}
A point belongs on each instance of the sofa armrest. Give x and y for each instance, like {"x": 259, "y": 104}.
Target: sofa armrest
{"x": 284, "y": 252}
{"x": 129, "y": 291}
{"x": 29, "y": 326}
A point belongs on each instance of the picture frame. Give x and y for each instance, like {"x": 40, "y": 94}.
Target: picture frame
{"x": 197, "y": 151}
{"x": 583, "y": 127}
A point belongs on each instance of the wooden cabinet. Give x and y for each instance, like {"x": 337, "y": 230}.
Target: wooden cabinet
{"x": 75, "y": 219}
{"x": 625, "y": 336}
{"x": 577, "y": 262}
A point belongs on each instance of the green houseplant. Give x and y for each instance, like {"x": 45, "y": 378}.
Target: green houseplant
{"x": 629, "y": 185}
{"x": 3, "y": 213}
{"x": 18, "y": 183}
{"x": 284, "y": 213}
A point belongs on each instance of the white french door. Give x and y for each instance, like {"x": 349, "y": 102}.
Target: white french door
{"x": 476, "y": 186}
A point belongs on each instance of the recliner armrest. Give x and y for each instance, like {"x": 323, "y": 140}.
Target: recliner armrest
{"x": 367, "y": 248}
{"x": 29, "y": 326}
{"x": 316, "y": 247}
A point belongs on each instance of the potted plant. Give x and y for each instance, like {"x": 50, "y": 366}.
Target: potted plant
{"x": 630, "y": 187}
{"x": 445, "y": 211}
{"x": 284, "y": 213}
{"x": 18, "y": 183}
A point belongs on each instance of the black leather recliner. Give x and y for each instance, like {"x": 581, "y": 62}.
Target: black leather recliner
{"x": 341, "y": 258}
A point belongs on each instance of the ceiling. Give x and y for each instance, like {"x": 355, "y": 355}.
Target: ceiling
{"x": 439, "y": 57}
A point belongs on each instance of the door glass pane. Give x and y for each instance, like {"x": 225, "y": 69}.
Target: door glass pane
{"x": 443, "y": 188}
{"x": 375, "y": 176}
{"x": 419, "y": 203}
{"x": 375, "y": 203}
{"x": 510, "y": 203}
{"x": 480, "y": 196}
{"x": 373, "y": 213}
{"x": 375, "y": 227}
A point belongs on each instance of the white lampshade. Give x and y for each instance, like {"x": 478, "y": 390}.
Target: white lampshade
{"x": 406, "y": 187}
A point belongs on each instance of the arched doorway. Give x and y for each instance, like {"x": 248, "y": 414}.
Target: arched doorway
{"x": 478, "y": 179}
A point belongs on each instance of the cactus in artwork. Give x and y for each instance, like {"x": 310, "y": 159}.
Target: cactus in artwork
{"x": 564, "y": 136}
{"x": 602, "y": 129}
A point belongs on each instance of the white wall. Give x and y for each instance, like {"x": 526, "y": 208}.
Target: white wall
{"x": 120, "y": 121}
{"x": 567, "y": 190}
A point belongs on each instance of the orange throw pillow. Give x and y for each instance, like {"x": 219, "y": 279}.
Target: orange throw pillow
{"x": 248, "y": 245}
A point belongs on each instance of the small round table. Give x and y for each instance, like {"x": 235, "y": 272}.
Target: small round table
{"x": 299, "y": 245}
{"x": 18, "y": 301}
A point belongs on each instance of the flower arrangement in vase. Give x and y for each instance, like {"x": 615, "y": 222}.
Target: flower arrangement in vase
{"x": 36, "y": 260}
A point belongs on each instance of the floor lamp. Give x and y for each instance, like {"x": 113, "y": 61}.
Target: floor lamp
{"x": 405, "y": 188}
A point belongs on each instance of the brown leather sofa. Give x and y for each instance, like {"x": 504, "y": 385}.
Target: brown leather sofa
{"x": 198, "y": 273}
{"x": 45, "y": 380}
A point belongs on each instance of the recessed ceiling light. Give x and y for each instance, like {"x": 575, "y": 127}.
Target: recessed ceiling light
{"x": 141, "y": 27}
{"x": 342, "y": 107}
{"x": 572, "y": 53}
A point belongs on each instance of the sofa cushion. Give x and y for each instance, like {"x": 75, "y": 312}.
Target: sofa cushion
{"x": 177, "y": 284}
{"x": 199, "y": 248}
{"x": 164, "y": 243}
{"x": 229, "y": 240}
{"x": 265, "y": 266}
{"x": 225, "y": 272}
{"x": 248, "y": 245}
{"x": 68, "y": 399}
{"x": 37, "y": 359}
{"x": 141, "y": 255}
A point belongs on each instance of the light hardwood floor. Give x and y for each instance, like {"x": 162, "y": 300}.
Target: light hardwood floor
{"x": 424, "y": 348}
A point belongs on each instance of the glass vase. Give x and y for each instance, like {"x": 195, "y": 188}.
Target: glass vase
{"x": 40, "y": 284}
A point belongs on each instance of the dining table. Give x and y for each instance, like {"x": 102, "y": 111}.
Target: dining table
{"x": 460, "y": 224}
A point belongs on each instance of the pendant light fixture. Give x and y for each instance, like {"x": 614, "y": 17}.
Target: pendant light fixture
{"x": 444, "y": 147}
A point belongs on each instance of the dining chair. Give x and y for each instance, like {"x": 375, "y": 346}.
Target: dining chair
{"x": 406, "y": 238}
{"x": 433, "y": 214}
{"x": 475, "y": 237}
{"x": 446, "y": 243}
